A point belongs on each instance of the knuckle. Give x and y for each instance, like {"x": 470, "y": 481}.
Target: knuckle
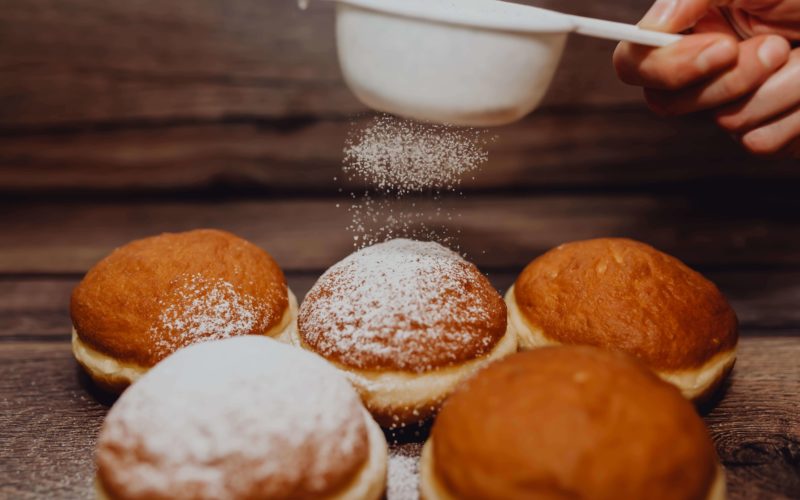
{"x": 735, "y": 85}
{"x": 646, "y": 67}
{"x": 668, "y": 77}
{"x": 670, "y": 81}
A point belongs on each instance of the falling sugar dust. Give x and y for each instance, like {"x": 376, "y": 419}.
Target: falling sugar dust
{"x": 409, "y": 171}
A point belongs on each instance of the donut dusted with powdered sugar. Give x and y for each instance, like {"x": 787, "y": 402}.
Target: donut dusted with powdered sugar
{"x": 241, "y": 418}
{"x": 405, "y": 320}
{"x": 156, "y": 295}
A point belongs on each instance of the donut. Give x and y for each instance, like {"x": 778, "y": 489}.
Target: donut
{"x": 624, "y": 295}
{"x": 155, "y": 295}
{"x": 569, "y": 422}
{"x": 405, "y": 321}
{"x": 240, "y": 418}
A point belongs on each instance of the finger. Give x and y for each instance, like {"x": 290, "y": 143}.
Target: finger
{"x": 774, "y": 136}
{"x": 758, "y": 59}
{"x": 714, "y": 22}
{"x": 779, "y": 93}
{"x": 693, "y": 59}
{"x": 758, "y": 17}
{"x": 674, "y": 16}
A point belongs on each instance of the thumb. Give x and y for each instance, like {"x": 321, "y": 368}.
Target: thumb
{"x": 674, "y": 16}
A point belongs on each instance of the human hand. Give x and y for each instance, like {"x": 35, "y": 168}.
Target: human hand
{"x": 752, "y": 87}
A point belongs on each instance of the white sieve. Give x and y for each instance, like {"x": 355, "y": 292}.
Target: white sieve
{"x": 460, "y": 62}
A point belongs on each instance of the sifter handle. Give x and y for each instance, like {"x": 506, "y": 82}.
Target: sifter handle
{"x": 611, "y": 30}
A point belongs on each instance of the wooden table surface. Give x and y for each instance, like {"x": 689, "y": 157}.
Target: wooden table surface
{"x": 120, "y": 120}
{"x": 50, "y": 413}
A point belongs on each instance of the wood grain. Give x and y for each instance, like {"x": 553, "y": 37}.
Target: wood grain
{"x": 756, "y": 426}
{"x": 48, "y": 423}
{"x": 36, "y": 307}
{"x": 71, "y": 62}
{"x": 79, "y": 61}
{"x": 246, "y": 96}
{"x": 120, "y": 120}
{"x": 50, "y": 418}
{"x": 495, "y": 231}
{"x": 552, "y": 149}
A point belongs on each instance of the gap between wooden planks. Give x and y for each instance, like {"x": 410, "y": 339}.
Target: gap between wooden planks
{"x": 499, "y": 232}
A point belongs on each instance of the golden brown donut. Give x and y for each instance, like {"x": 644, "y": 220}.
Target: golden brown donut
{"x": 241, "y": 418}
{"x": 569, "y": 422}
{"x": 405, "y": 321}
{"x": 155, "y": 295}
{"x": 627, "y": 296}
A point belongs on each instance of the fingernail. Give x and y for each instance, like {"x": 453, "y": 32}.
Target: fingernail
{"x": 772, "y": 52}
{"x": 659, "y": 14}
{"x": 716, "y": 55}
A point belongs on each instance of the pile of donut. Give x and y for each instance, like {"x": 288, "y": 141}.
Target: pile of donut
{"x": 580, "y": 384}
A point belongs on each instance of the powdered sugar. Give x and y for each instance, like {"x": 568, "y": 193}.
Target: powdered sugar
{"x": 403, "y": 303}
{"x": 218, "y": 418}
{"x": 202, "y": 309}
{"x": 407, "y": 156}
{"x": 399, "y": 160}
{"x": 404, "y": 471}
{"x": 377, "y": 219}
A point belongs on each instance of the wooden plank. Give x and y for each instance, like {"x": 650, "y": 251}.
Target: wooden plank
{"x": 703, "y": 229}
{"x": 600, "y": 147}
{"x": 34, "y": 308}
{"x": 68, "y": 62}
{"x": 50, "y": 418}
{"x": 73, "y": 61}
{"x": 756, "y": 426}
{"x": 215, "y": 95}
{"x": 48, "y": 423}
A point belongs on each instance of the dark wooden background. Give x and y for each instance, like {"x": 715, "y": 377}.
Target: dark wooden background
{"x": 125, "y": 119}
